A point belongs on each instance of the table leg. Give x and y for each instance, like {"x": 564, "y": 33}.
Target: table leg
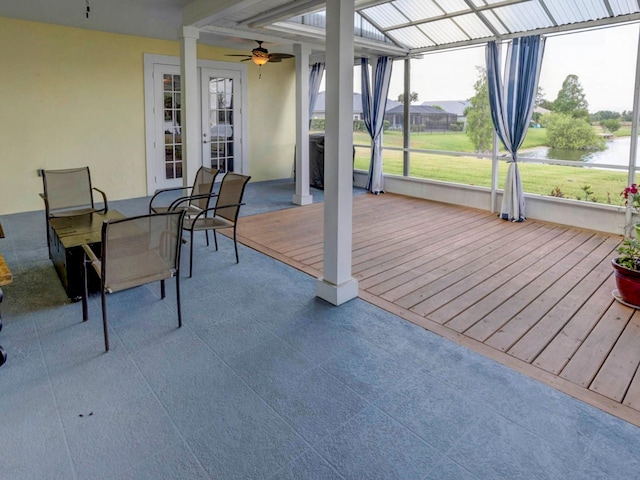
{"x": 3, "y": 354}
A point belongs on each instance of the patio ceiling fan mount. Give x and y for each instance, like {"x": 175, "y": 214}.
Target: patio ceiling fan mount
{"x": 261, "y": 55}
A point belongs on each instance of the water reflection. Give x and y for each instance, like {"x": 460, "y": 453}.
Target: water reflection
{"x": 616, "y": 153}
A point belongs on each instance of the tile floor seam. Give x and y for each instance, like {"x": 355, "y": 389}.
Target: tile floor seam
{"x": 264, "y": 401}
{"x": 164, "y": 408}
{"x": 55, "y": 401}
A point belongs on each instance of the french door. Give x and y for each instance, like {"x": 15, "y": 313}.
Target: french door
{"x": 221, "y": 95}
{"x": 223, "y": 99}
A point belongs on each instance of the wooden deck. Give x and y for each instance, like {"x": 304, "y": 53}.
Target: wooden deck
{"x": 534, "y": 296}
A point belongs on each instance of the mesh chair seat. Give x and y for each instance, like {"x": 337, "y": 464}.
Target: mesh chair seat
{"x": 136, "y": 251}
{"x": 68, "y": 192}
{"x": 208, "y": 223}
{"x": 128, "y": 272}
{"x": 194, "y": 202}
{"x": 223, "y": 215}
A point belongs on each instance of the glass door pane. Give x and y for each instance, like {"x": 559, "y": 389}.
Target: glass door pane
{"x": 172, "y": 126}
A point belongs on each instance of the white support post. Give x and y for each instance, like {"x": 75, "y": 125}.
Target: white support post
{"x": 338, "y": 286}
{"x": 494, "y": 156}
{"x": 190, "y": 111}
{"x": 302, "y": 196}
{"x": 406, "y": 124}
{"x": 633, "y": 151}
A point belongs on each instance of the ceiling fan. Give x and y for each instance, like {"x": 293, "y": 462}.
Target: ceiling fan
{"x": 261, "y": 55}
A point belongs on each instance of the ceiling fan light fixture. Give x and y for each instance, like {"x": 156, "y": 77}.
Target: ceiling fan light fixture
{"x": 259, "y": 60}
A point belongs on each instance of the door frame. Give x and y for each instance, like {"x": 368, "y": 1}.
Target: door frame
{"x": 206, "y": 111}
{"x": 151, "y": 60}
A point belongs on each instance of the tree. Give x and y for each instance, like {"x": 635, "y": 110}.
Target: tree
{"x": 571, "y": 99}
{"x": 604, "y": 115}
{"x": 567, "y": 132}
{"x": 610, "y": 124}
{"x": 478, "y": 113}
{"x": 413, "y": 97}
{"x": 627, "y": 116}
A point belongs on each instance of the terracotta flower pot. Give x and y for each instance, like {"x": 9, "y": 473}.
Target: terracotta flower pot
{"x": 628, "y": 283}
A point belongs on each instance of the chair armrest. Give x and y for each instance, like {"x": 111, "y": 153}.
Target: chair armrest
{"x": 104, "y": 198}
{"x": 90, "y": 254}
{"x": 93, "y": 259}
{"x": 165, "y": 190}
{"x": 217, "y": 207}
{"x": 176, "y": 203}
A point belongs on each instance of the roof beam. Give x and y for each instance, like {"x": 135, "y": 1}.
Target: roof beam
{"x": 283, "y": 12}
{"x": 472, "y": 9}
{"x": 544, "y": 6}
{"x": 199, "y": 13}
{"x": 572, "y": 27}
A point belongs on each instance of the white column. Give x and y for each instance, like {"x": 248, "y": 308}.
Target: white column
{"x": 337, "y": 286}
{"x": 302, "y": 196}
{"x": 633, "y": 150}
{"x": 191, "y": 141}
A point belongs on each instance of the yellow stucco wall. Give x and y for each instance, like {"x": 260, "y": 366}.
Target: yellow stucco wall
{"x": 74, "y": 97}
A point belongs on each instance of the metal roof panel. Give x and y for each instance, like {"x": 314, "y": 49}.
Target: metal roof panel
{"x": 411, "y": 37}
{"x": 473, "y": 26}
{"x": 385, "y": 15}
{"x": 418, "y": 9}
{"x": 444, "y": 31}
{"x": 573, "y": 11}
{"x": 521, "y": 17}
{"x": 624, "y": 7}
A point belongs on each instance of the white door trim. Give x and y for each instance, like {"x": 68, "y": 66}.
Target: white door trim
{"x": 149, "y": 61}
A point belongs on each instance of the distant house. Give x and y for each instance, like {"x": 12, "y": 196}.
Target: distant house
{"x": 422, "y": 118}
{"x": 451, "y": 106}
{"x": 319, "y": 108}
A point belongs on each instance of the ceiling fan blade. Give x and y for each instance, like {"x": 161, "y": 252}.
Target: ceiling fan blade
{"x": 279, "y": 56}
{"x": 236, "y": 55}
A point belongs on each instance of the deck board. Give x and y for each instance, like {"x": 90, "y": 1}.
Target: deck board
{"x": 534, "y": 296}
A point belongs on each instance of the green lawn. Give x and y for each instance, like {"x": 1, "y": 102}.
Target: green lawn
{"x": 605, "y": 186}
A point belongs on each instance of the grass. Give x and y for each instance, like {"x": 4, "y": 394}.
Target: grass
{"x": 569, "y": 182}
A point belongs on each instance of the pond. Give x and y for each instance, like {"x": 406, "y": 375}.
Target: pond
{"x": 616, "y": 153}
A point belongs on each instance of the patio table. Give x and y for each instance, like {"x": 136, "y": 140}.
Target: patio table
{"x": 67, "y": 235}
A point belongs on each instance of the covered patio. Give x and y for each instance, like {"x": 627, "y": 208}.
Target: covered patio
{"x": 265, "y": 381}
{"x": 543, "y": 306}
{"x": 301, "y": 363}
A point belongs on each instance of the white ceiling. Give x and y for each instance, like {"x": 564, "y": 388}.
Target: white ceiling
{"x": 235, "y": 24}
{"x": 148, "y": 18}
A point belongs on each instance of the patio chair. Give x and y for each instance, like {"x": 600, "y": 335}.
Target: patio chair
{"x": 135, "y": 251}
{"x": 194, "y": 199}
{"x": 224, "y": 213}
{"x": 68, "y": 192}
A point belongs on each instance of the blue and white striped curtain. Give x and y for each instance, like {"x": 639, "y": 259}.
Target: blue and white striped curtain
{"x": 511, "y": 109}
{"x": 315, "y": 78}
{"x": 373, "y": 108}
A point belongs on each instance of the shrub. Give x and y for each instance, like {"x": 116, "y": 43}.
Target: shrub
{"x": 567, "y": 132}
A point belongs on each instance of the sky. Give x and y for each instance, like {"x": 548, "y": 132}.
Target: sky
{"x": 604, "y": 61}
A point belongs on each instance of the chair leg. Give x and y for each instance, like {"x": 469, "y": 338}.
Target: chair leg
{"x": 104, "y": 319}
{"x": 162, "y": 290}
{"x": 178, "y": 299}
{"x": 215, "y": 239}
{"x": 85, "y": 292}
{"x": 235, "y": 243}
{"x": 206, "y": 233}
{"x": 191, "y": 255}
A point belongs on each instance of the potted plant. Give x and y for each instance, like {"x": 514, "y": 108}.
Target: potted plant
{"x": 631, "y": 196}
{"x": 627, "y": 272}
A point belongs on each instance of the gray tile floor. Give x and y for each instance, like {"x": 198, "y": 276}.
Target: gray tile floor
{"x": 266, "y": 381}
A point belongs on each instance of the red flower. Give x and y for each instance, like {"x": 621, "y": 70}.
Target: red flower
{"x": 632, "y": 196}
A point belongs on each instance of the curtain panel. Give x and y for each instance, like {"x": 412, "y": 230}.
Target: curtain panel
{"x": 374, "y": 104}
{"x": 512, "y": 105}
{"x": 315, "y": 78}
